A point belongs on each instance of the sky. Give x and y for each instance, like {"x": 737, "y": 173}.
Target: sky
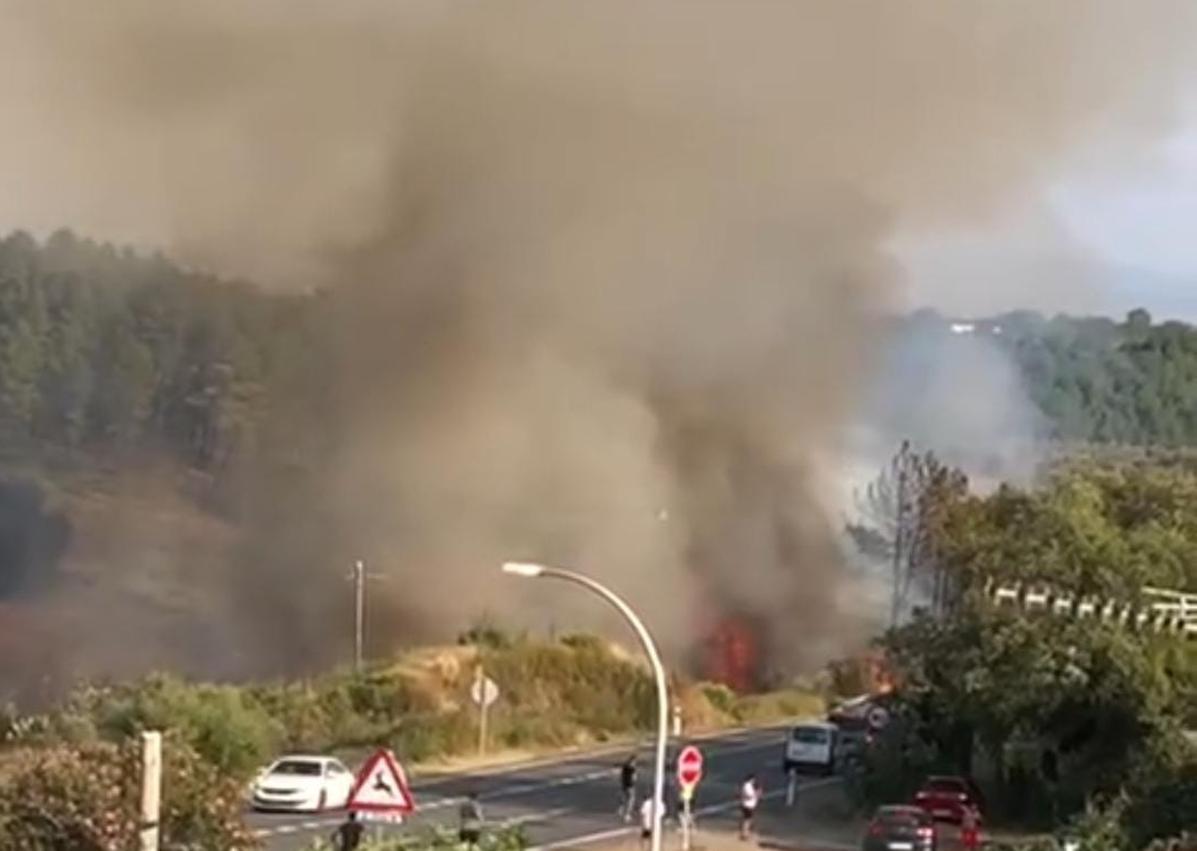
{"x": 1098, "y": 242}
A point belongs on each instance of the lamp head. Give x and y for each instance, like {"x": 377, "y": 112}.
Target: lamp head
{"x": 525, "y": 569}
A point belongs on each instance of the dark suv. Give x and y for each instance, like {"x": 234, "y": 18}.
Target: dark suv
{"x": 900, "y": 828}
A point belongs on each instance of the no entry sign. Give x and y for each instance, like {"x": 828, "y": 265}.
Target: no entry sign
{"x": 689, "y": 767}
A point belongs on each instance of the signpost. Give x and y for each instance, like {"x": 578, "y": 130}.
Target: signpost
{"x": 381, "y": 792}
{"x": 689, "y": 773}
{"x": 484, "y": 692}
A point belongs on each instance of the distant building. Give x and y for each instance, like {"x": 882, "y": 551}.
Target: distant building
{"x": 963, "y": 328}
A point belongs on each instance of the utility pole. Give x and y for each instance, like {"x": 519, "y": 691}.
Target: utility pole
{"x": 360, "y": 577}
{"x": 151, "y": 791}
{"x": 359, "y": 613}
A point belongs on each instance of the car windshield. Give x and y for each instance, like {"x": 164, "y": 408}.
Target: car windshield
{"x": 904, "y": 817}
{"x": 810, "y": 736}
{"x": 297, "y": 767}
{"x": 946, "y": 784}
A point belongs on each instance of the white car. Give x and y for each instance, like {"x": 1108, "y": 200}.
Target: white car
{"x": 303, "y": 784}
{"x": 810, "y": 747}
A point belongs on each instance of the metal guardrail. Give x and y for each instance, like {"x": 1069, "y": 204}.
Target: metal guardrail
{"x": 1159, "y": 609}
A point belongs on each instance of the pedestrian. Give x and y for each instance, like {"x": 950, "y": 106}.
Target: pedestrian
{"x": 970, "y": 828}
{"x": 750, "y": 798}
{"x": 348, "y": 836}
{"x": 646, "y": 819}
{"x": 470, "y": 831}
{"x": 627, "y": 788}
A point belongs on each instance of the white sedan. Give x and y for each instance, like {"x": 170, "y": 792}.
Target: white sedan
{"x": 303, "y": 784}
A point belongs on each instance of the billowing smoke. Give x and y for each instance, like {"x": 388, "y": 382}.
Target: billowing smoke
{"x": 604, "y": 276}
{"x": 958, "y": 393}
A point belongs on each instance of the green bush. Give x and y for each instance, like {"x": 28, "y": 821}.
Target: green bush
{"x": 86, "y": 798}
{"x": 425, "y": 737}
{"x": 778, "y": 706}
{"x": 721, "y": 697}
{"x": 584, "y": 682}
{"x": 224, "y": 724}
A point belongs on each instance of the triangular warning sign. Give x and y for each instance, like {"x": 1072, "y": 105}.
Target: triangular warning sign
{"x": 382, "y": 786}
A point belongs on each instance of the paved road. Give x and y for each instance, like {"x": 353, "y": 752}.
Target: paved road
{"x": 572, "y": 801}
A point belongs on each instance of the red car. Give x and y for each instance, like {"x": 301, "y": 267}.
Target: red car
{"x": 947, "y": 798}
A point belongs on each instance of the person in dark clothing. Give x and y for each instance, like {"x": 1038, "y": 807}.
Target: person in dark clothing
{"x": 349, "y": 835}
{"x": 470, "y": 831}
{"x": 627, "y": 788}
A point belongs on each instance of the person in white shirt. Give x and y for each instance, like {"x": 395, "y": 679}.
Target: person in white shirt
{"x": 750, "y": 798}
{"x": 646, "y": 819}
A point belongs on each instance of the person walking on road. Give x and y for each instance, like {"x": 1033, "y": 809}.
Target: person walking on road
{"x": 470, "y": 830}
{"x": 750, "y": 799}
{"x": 627, "y": 788}
{"x": 348, "y": 836}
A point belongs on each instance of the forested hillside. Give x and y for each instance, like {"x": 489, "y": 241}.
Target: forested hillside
{"x": 104, "y": 349}
{"x": 1098, "y": 380}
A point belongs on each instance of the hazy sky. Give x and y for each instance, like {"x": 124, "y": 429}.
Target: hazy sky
{"x": 1099, "y": 241}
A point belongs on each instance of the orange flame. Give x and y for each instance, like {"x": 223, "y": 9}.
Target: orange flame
{"x": 733, "y": 655}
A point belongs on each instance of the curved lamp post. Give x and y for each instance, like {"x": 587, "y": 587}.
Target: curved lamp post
{"x": 537, "y": 571}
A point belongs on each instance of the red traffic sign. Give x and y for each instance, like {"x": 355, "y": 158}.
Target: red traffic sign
{"x": 381, "y": 787}
{"x": 689, "y": 767}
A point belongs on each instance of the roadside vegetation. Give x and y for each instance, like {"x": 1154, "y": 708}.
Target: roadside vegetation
{"x": 79, "y": 760}
{"x": 1064, "y": 720}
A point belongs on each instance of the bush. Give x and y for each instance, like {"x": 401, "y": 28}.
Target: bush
{"x": 583, "y": 682}
{"x": 224, "y": 724}
{"x": 778, "y": 706}
{"x": 86, "y": 798}
{"x": 721, "y": 697}
{"x": 421, "y": 738}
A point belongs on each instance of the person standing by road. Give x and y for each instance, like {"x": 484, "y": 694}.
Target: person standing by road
{"x": 627, "y": 788}
{"x": 646, "y": 819}
{"x": 348, "y": 836}
{"x": 470, "y": 830}
{"x": 750, "y": 799}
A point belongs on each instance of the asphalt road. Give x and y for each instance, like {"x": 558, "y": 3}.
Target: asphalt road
{"x": 572, "y": 802}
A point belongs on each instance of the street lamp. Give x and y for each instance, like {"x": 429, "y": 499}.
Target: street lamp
{"x": 537, "y": 571}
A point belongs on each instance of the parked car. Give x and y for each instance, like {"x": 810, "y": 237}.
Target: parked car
{"x": 900, "y": 828}
{"x": 811, "y": 748}
{"x": 303, "y": 784}
{"x": 946, "y": 798}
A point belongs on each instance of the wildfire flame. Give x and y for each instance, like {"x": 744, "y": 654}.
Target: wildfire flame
{"x": 733, "y": 655}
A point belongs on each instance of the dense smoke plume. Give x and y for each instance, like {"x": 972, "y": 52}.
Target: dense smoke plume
{"x": 605, "y": 275}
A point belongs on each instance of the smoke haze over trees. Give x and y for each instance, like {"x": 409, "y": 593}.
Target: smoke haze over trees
{"x": 588, "y": 295}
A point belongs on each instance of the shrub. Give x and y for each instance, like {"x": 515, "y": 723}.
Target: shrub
{"x": 70, "y": 798}
{"x": 425, "y": 737}
{"x": 721, "y": 697}
{"x": 778, "y": 706}
{"x": 226, "y": 725}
